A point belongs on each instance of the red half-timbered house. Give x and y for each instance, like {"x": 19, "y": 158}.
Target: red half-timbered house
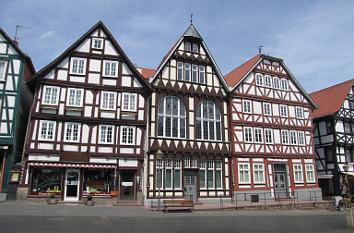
{"x": 272, "y": 147}
{"x": 188, "y": 129}
{"x": 87, "y": 123}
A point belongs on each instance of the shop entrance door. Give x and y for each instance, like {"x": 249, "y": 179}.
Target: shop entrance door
{"x": 190, "y": 185}
{"x": 127, "y": 186}
{"x": 72, "y": 184}
{"x": 280, "y": 181}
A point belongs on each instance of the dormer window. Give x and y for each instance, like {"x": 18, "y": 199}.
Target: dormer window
{"x": 187, "y": 46}
{"x": 195, "y": 48}
{"x": 97, "y": 43}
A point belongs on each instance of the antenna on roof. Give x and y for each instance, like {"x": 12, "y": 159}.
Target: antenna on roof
{"x": 260, "y": 49}
{"x": 192, "y": 18}
{"x": 18, "y": 27}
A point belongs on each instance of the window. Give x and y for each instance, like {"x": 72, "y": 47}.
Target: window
{"x": 179, "y": 70}
{"x": 72, "y": 132}
{"x": 259, "y": 79}
{"x": 108, "y": 100}
{"x": 349, "y": 155}
{"x": 258, "y": 173}
{"x": 97, "y": 43}
{"x": 47, "y": 130}
{"x": 310, "y": 173}
{"x": 177, "y": 174}
{"x": 168, "y": 173}
{"x": 268, "y": 134}
{"x": 283, "y": 111}
{"x": 51, "y": 95}
{"x": 3, "y": 66}
{"x": 202, "y": 174}
{"x": 301, "y": 137}
{"x": 299, "y": 112}
{"x": 298, "y": 178}
{"x": 74, "y": 97}
{"x": 218, "y": 174}
{"x": 208, "y": 121}
{"x": 127, "y": 135}
{"x": 202, "y": 74}
{"x": 267, "y": 81}
{"x": 171, "y": 118}
{"x": 190, "y": 162}
{"x": 129, "y": 102}
{"x": 187, "y": 46}
{"x": 284, "y": 84}
{"x": 293, "y": 137}
{"x": 110, "y": 68}
{"x": 247, "y": 106}
{"x": 285, "y": 137}
{"x": 347, "y": 127}
{"x": 267, "y": 109}
{"x": 187, "y": 71}
{"x": 106, "y": 134}
{"x": 78, "y": 65}
{"x": 329, "y": 127}
{"x": 276, "y": 83}
{"x": 195, "y": 48}
{"x": 210, "y": 174}
{"x": 258, "y": 135}
{"x": 159, "y": 173}
{"x": 244, "y": 173}
{"x": 248, "y": 134}
{"x": 194, "y": 73}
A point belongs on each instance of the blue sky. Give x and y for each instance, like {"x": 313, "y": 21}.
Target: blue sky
{"x": 315, "y": 38}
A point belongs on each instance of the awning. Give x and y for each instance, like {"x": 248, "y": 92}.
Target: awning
{"x": 72, "y": 165}
{"x": 349, "y": 173}
{"x": 324, "y": 176}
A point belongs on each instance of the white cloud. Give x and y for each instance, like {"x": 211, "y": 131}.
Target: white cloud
{"x": 47, "y": 35}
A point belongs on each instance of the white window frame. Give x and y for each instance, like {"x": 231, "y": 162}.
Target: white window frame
{"x": 299, "y": 112}
{"x": 45, "y": 88}
{"x": 3, "y": 75}
{"x": 293, "y": 137}
{"x": 202, "y": 167}
{"x": 187, "y": 70}
{"x": 218, "y": 167}
{"x": 93, "y": 43}
{"x": 127, "y": 128}
{"x": 214, "y": 121}
{"x": 180, "y": 68}
{"x": 67, "y": 124}
{"x": 72, "y": 64}
{"x": 41, "y": 122}
{"x": 276, "y": 83}
{"x": 281, "y": 112}
{"x": 105, "y": 141}
{"x": 245, "y": 170}
{"x": 269, "y": 108}
{"x": 131, "y": 96}
{"x": 301, "y": 139}
{"x": 76, "y": 90}
{"x": 258, "y": 135}
{"x": 268, "y": 81}
{"x": 268, "y": 136}
{"x": 297, "y": 167}
{"x": 250, "y": 133}
{"x": 310, "y": 168}
{"x": 194, "y": 72}
{"x": 247, "y": 105}
{"x": 210, "y": 168}
{"x": 193, "y": 48}
{"x": 187, "y": 49}
{"x": 114, "y": 102}
{"x": 258, "y": 168}
{"x": 259, "y": 80}
{"x": 202, "y": 71}
{"x": 284, "y": 135}
{"x": 104, "y": 74}
{"x": 286, "y": 86}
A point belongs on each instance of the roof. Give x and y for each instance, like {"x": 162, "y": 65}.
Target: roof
{"x": 235, "y": 77}
{"x": 329, "y": 100}
{"x": 147, "y": 73}
{"x": 62, "y": 56}
{"x": 192, "y": 32}
{"x": 19, "y": 51}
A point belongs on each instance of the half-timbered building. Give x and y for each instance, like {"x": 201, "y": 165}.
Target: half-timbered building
{"x": 87, "y": 123}
{"x": 188, "y": 132}
{"x": 272, "y": 146}
{"x": 334, "y": 137}
{"x": 15, "y": 101}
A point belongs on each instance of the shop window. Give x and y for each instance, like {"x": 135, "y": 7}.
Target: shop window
{"x": 98, "y": 182}
{"x": 45, "y": 182}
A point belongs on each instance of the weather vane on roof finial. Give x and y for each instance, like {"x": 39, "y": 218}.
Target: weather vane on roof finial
{"x": 260, "y": 49}
{"x": 192, "y": 18}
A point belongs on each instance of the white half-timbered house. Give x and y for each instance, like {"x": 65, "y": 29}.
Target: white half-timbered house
{"x": 272, "y": 147}
{"x": 334, "y": 137}
{"x": 188, "y": 123}
{"x": 15, "y": 102}
{"x": 87, "y": 124}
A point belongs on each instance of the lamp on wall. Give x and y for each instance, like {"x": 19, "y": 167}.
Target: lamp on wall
{"x": 159, "y": 155}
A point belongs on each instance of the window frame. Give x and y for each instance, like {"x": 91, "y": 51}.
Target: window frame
{"x": 266, "y": 141}
{"x": 97, "y": 39}
{"x": 102, "y": 100}
{"x": 194, "y": 45}
{"x": 268, "y": 81}
{"x": 259, "y": 79}
{"x": 75, "y": 97}
{"x": 105, "y": 62}
{"x": 248, "y": 170}
{"x": 72, "y": 59}
{"x": 303, "y": 141}
{"x": 127, "y": 135}
{"x": 300, "y": 172}
{"x": 282, "y": 106}
{"x": 202, "y": 71}
{"x": 3, "y": 75}
{"x": 249, "y": 133}
{"x": 259, "y": 170}
{"x": 282, "y": 86}
{"x": 186, "y": 48}
{"x": 130, "y": 95}
{"x": 293, "y": 137}
{"x": 312, "y": 170}
{"x": 71, "y": 136}
{"x": 100, "y": 134}
{"x": 249, "y": 103}
{"x": 51, "y": 97}
{"x": 285, "y": 133}
{"x": 299, "y": 110}
{"x": 258, "y": 135}
{"x": 203, "y": 119}
{"x": 40, "y": 131}
{"x": 270, "y": 113}
{"x": 278, "y": 84}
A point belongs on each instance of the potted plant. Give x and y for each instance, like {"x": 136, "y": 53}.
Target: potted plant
{"x": 52, "y": 199}
{"x": 89, "y": 200}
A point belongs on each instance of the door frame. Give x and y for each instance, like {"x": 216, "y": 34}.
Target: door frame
{"x": 121, "y": 173}
{"x": 285, "y": 173}
{"x": 189, "y": 172}
{"x": 78, "y": 184}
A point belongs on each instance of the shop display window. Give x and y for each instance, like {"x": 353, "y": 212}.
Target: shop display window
{"x": 45, "y": 182}
{"x": 98, "y": 182}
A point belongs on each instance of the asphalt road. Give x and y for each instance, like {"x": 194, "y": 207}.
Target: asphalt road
{"x": 40, "y": 218}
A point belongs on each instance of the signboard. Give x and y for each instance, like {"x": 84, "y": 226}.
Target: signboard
{"x": 127, "y": 184}
{"x": 15, "y": 176}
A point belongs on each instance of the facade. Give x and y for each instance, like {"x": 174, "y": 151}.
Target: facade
{"x": 188, "y": 130}
{"x": 15, "y": 100}
{"x": 272, "y": 146}
{"x": 334, "y": 137}
{"x": 87, "y": 124}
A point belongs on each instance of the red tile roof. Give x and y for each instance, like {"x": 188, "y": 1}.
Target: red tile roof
{"x": 147, "y": 73}
{"x": 330, "y": 99}
{"x": 235, "y": 76}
